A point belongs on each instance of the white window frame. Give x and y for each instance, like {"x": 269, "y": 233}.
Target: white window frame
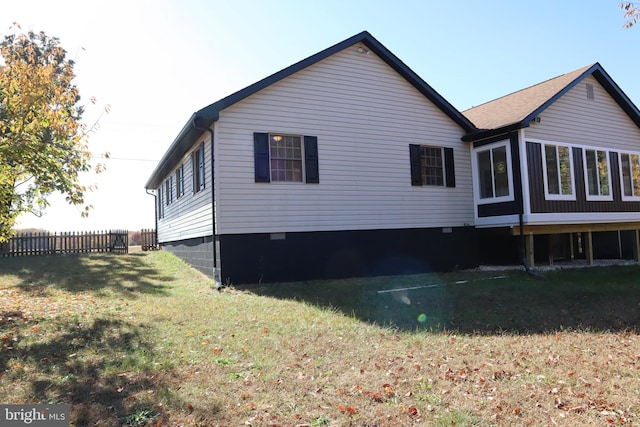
{"x": 302, "y": 159}
{"x": 634, "y": 197}
{"x": 599, "y": 197}
{"x": 476, "y": 173}
{"x": 424, "y": 167}
{"x": 547, "y": 195}
{"x": 179, "y": 178}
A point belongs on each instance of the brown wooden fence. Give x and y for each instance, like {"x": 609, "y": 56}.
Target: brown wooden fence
{"x": 115, "y": 241}
{"x": 148, "y": 240}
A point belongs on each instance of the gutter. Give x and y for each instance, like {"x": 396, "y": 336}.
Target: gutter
{"x": 216, "y": 270}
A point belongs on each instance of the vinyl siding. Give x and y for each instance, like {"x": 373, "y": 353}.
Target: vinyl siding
{"x": 190, "y": 215}
{"x": 598, "y": 123}
{"x": 365, "y": 116}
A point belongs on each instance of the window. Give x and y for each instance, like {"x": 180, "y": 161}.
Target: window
{"x": 179, "y": 181}
{"x": 160, "y": 204}
{"x": 630, "y": 176}
{"x": 493, "y": 165}
{"x": 285, "y": 153}
{"x": 198, "y": 169}
{"x": 287, "y": 158}
{"x": 558, "y": 167}
{"x": 431, "y": 166}
{"x": 597, "y": 175}
{"x": 169, "y": 190}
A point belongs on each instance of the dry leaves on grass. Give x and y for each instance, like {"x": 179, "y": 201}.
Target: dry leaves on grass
{"x": 41, "y": 303}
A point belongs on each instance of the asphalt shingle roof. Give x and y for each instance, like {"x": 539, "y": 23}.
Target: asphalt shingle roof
{"x": 515, "y": 107}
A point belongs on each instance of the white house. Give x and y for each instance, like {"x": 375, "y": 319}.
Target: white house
{"x": 347, "y": 163}
{"x": 344, "y": 164}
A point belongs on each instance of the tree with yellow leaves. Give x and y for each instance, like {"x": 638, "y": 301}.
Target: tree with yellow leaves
{"x": 43, "y": 143}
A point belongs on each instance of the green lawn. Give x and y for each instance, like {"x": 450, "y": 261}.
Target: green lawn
{"x": 142, "y": 339}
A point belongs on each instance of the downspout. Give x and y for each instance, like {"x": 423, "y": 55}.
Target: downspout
{"x": 155, "y": 210}
{"x": 216, "y": 270}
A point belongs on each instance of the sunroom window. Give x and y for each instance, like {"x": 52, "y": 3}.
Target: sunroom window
{"x": 494, "y": 166}
{"x": 630, "y": 174}
{"x": 558, "y": 172}
{"x": 597, "y": 175}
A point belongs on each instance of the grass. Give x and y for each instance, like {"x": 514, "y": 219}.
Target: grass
{"x": 142, "y": 339}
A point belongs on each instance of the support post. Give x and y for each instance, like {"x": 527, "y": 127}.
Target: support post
{"x": 529, "y": 248}
{"x": 636, "y": 245}
{"x": 571, "y": 253}
{"x": 589, "y": 247}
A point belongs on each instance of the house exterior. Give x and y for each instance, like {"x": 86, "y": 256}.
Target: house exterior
{"x": 344, "y": 164}
{"x": 557, "y": 165}
{"x": 347, "y": 163}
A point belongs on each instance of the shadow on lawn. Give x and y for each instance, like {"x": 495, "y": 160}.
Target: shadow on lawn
{"x": 89, "y": 366}
{"x": 596, "y": 299}
{"x": 124, "y": 274}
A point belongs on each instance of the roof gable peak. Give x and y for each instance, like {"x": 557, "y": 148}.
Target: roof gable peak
{"x": 517, "y": 109}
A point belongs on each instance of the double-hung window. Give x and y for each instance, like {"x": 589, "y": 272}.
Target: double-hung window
{"x": 431, "y": 166}
{"x": 198, "y": 169}
{"x": 285, "y": 158}
{"x": 558, "y": 172}
{"x": 597, "y": 176}
{"x": 169, "y": 190}
{"x": 493, "y": 169}
{"x": 630, "y": 176}
{"x": 285, "y": 153}
{"x": 179, "y": 181}
{"x": 160, "y": 204}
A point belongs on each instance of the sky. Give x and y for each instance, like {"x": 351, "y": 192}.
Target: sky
{"x": 154, "y": 63}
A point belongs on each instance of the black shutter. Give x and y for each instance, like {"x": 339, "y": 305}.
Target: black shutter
{"x": 261, "y": 157}
{"x": 414, "y": 160}
{"x": 449, "y": 169}
{"x": 311, "y": 160}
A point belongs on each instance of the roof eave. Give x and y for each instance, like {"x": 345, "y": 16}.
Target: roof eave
{"x": 169, "y": 156}
{"x": 488, "y": 133}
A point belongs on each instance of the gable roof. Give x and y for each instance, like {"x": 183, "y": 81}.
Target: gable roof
{"x": 518, "y": 109}
{"x": 204, "y": 118}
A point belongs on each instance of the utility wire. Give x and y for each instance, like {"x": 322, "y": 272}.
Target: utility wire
{"x": 124, "y": 158}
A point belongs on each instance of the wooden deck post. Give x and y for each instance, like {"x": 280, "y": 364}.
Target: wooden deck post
{"x": 571, "y": 253}
{"x": 636, "y": 245}
{"x": 528, "y": 239}
{"x": 588, "y": 243}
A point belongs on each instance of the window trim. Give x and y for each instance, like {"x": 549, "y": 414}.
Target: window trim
{"x": 598, "y": 197}
{"x": 633, "y": 197}
{"x": 545, "y": 176}
{"x": 424, "y": 167}
{"x": 160, "y": 203}
{"x": 301, "y": 159}
{"x": 199, "y": 176}
{"x": 476, "y": 173}
{"x": 179, "y": 181}
{"x": 168, "y": 185}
